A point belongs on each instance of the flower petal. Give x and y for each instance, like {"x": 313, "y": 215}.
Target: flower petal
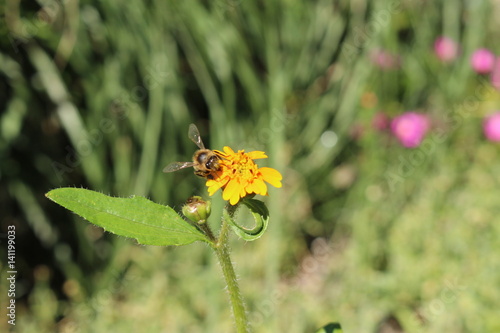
{"x": 255, "y": 155}
{"x": 228, "y": 150}
{"x": 232, "y": 189}
{"x": 213, "y": 185}
{"x": 259, "y": 187}
{"x": 234, "y": 199}
{"x": 243, "y": 192}
{"x": 271, "y": 176}
{"x": 221, "y": 154}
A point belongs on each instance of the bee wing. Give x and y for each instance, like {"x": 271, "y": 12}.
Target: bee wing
{"x": 194, "y": 135}
{"x": 177, "y": 166}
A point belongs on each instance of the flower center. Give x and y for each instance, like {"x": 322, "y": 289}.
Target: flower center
{"x": 245, "y": 167}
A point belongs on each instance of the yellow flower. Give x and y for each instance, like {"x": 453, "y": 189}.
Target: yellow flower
{"x": 239, "y": 176}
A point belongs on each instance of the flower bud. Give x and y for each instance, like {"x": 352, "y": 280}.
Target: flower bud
{"x": 491, "y": 127}
{"x": 446, "y": 49}
{"x": 495, "y": 74}
{"x": 482, "y": 61}
{"x": 410, "y": 128}
{"x": 197, "y": 210}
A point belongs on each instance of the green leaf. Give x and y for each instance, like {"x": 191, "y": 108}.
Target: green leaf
{"x": 136, "y": 217}
{"x": 261, "y": 216}
{"x": 330, "y": 328}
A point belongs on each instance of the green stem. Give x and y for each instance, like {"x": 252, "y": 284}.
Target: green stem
{"x": 222, "y": 252}
{"x": 206, "y": 229}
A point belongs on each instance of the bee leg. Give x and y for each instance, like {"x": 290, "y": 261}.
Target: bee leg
{"x": 201, "y": 173}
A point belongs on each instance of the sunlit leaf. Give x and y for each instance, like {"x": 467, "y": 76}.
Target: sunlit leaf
{"x": 135, "y": 217}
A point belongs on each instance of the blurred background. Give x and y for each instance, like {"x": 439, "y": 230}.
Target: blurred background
{"x": 375, "y": 112}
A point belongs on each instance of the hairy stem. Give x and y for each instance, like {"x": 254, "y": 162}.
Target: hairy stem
{"x": 222, "y": 252}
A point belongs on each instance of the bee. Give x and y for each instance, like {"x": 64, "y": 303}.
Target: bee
{"x": 205, "y": 161}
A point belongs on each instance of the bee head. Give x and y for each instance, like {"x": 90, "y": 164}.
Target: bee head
{"x": 203, "y": 158}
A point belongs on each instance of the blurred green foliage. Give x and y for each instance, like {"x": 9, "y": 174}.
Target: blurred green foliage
{"x": 100, "y": 94}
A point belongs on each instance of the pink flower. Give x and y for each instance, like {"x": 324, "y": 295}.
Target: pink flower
{"x": 384, "y": 59}
{"x": 410, "y": 128}
{"x": 380, "y": 121}
{"x": 491, "y": 127}
{"x": 482, "y": 61}
{"x": 495, "y": 74}
{"x": 446, "y": 49}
